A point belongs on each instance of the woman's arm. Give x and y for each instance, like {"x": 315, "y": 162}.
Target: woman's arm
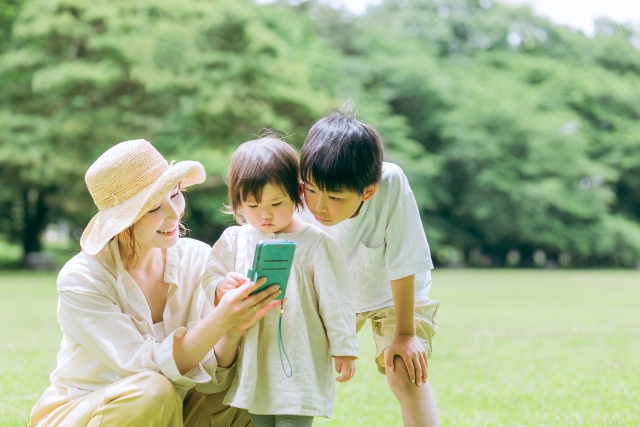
{"x": 219, "y": 329}
{"x": 226, "y": 349}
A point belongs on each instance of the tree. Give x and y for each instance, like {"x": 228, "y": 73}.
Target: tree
{"x": 196, "y": 78}
{"x": 516, "y": 134}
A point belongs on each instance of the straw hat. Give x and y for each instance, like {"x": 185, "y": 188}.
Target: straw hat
{"x": 126, "y": 182}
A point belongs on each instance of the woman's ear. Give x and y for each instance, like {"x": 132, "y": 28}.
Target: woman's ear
{"x": 369, "y": 192}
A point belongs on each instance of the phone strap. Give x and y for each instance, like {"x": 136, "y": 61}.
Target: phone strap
{"x": 281, "y": 348}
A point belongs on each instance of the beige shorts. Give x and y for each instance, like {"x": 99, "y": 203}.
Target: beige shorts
{"x": 383, "y": 323}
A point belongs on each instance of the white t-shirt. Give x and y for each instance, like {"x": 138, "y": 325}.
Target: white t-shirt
{"x": 385, "y": 242}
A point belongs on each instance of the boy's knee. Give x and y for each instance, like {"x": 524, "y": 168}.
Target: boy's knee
{"x": 398, "y": 379}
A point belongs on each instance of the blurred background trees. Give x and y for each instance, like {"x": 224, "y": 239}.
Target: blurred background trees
{"x": 520, "y": 137}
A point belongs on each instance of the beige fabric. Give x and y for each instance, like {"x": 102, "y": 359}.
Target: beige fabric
{"x": 318, "y": 323}
{"x": 144, "y": 399}
{"x": 383, "y": 323}
{"x": 125, "y": 182}
{"x": 108, "y": 332}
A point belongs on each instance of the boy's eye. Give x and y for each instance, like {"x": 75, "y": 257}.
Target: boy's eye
{"x": 334, "y": 198}
{"x": 276, "y": 204}
{"x": 252, "y": 206}
{"x": 309, "y": 190}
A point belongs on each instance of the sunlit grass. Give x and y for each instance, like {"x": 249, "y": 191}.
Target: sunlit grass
{"x": 29, "y": 340}
{"x": 520, "y": 348}
{"x": 514, "y": 348}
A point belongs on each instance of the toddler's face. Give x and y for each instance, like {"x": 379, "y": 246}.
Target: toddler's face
{"x": 331, "y": 208}
{"x": 274, "y": 212}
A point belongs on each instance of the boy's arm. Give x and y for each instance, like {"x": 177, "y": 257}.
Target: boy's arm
{"x": 406, "y": 344}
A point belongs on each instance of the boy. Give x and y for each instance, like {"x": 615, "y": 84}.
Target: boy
{"x": 367, "y": 206}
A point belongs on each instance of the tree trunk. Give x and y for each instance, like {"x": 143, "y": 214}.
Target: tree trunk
{"x": 35, "y": 219}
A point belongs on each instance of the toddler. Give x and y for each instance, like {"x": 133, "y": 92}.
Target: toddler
{"x": 318, "y": 321}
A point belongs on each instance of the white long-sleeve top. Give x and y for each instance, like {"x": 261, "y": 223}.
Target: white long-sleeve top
{"x": 318, "y": 323}
{"x": 108, "y": 333}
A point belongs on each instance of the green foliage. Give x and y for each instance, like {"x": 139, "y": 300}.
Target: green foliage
{"x": 194, "y": 77}
{"x": 10, "y": 255}
{"x": 517, "y": 134}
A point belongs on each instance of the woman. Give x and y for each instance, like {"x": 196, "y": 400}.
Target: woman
{"x": 141, "y": 343}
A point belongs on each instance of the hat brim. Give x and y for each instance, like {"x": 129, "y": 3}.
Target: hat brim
{"x": 108, "y": 223}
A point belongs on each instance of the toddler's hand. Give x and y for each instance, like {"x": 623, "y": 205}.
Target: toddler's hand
{"x": 345, "y": 366}
{"x": 232, "y": 280}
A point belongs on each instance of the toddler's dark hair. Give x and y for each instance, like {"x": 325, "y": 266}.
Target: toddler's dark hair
{"x": 256, "y": 163}
{"x": 341, "y": 153}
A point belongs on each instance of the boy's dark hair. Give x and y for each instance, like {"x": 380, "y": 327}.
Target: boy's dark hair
{"x": 256, "y": 163}
{"x": 341, "y": 153}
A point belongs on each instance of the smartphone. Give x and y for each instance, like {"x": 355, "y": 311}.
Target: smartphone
{"x": 273, "y": 260}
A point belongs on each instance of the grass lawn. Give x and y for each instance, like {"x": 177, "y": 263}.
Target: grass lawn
{"x": 514, "y": 348}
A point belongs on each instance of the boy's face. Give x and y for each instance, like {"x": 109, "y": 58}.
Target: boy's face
{"x": 333, "y": 207}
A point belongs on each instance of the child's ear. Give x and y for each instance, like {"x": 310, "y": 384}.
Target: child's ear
{"x": 301, "y": 189}
{"x": 369, "y": 192}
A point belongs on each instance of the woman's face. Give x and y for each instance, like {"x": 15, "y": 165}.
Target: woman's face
{"x": 158, "y": 228}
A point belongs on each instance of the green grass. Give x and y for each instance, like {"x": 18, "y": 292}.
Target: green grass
{"x": 29, "y": 340}
{"x": 514, "y": 348}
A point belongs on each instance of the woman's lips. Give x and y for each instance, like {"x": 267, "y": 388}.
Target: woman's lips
{"x": 170, "y": 233}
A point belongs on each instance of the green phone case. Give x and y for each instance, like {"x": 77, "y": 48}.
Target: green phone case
{"x": 273, "y": 260}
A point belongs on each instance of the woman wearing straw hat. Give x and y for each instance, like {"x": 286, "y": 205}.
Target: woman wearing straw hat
{"x": 141, "y": 344}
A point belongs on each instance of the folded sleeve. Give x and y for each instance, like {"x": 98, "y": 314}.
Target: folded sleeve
{"x": 407, "y": 251}
{"x": 95, "y": 322}
{"x": 220, "y": 377}
{"x": 221, "y": 261}
{"x": 335, "y": 298}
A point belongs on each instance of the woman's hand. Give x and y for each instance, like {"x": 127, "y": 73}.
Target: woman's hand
{"x": 238, "y": 309}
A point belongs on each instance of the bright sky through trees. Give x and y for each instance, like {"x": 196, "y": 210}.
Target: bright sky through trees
{"x": 576, "y": 13}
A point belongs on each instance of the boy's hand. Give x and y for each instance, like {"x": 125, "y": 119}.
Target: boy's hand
{"x": 345, "y": 366}
{"x": 232, "y": 280}
{"x": 412, "y": 352}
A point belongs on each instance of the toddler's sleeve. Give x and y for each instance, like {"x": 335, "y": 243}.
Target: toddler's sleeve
{"x": 221, "y": 261}
{"x": 335, "y": 298}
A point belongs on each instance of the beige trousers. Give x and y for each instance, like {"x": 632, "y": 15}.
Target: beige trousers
{"x": 144, "y": 399}
{"x": 383, "y": 323}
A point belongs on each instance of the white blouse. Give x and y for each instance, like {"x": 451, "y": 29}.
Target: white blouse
{"x": 108, "y": 333}
{"x": 318, "y": 323}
